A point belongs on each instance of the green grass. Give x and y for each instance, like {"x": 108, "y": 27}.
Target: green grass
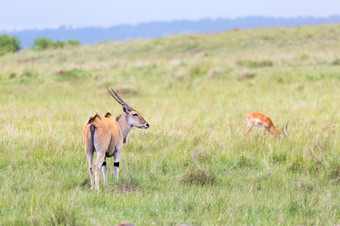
{"x": 193, "y": 165}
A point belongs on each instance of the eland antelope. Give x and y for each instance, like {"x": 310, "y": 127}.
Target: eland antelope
{"x": 260, "y": 120}
{"x": 106, "y": 136}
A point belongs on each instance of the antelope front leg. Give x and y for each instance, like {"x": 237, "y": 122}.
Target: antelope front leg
{"x": 116, "y": 163}
{"x": 249, "y": 128}
{"x": 264, "y": 132}
{"x": 104, "y": 170}
{"x": 89, "y": 155}
{"x": 97, "y": 166}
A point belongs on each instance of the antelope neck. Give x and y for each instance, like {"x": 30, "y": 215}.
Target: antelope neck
{"x": 124, "y": 125}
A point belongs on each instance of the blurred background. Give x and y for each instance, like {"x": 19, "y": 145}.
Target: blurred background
{"x": 89, "y": 22}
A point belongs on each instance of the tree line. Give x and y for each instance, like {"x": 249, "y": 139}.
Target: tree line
{"x": 12, "y": 44}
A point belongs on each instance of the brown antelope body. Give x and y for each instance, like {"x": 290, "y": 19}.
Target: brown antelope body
{"x": 260, "y": 120}
{"x": 106, "y": 136}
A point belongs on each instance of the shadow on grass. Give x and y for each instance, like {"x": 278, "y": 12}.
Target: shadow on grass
{"x": 125, "y": 188}
{"x": 118, "y": 188}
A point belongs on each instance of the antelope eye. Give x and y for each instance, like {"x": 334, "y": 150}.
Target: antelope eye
{"x": 134, "y": 114}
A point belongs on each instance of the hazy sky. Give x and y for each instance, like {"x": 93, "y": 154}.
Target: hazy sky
{"x": 23, "y": 14}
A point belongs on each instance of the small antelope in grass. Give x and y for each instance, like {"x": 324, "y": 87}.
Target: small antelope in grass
{"x": 260, "y": 120}
{"x": 106, "y": 136}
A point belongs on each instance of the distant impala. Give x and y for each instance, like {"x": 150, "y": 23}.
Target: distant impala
{"x": 106, "y": 136}
{"x": 260, "y": 120}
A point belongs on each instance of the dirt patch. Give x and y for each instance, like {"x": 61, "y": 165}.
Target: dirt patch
{"x": 126, "y": 188}
{"x": 60, "y": 72}
{"x": 126, "y": 224}
{"x": 126, "y": 92}
{"x": 247, "y": 76}
{"x": 65, "y": 75}
{"x": 29, "y": 60}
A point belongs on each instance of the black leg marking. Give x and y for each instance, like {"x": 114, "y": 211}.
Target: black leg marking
{"x": 116, "y": 164}
{"x": 104, "y": 163}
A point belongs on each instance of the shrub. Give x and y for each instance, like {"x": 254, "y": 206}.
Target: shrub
{"x": 9, "y": 44}
{"x": 71, "y": 42}
{"x": 45, "y": 43}
{"x": 200, "y": 69}
{"x": 42, "y": 43}
{"x": 336, "y": 61}
{"x": 58, "y": 44}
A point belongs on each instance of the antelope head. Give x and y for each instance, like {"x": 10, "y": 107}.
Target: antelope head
{"x": 133, "y": 117}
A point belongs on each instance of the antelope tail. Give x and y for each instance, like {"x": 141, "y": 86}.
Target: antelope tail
{"x": 92, "y": 126}
{"x": 92, "y": 130}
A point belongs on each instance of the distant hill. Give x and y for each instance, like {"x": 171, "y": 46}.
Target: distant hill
{"x": 90, "y": 35}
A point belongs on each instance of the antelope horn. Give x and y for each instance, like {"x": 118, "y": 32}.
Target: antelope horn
{"x": 114, "y": 97}
{"x": 119, "y": 99}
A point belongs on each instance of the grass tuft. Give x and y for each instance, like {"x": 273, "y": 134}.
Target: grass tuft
{"x": 336, "y": 62}
{"x": 62, "y": 216}
{"x": 334, "y": 173}
{"x": 246, "y": 163}
{"x": 198, "y": 177}
{"x": 254, "y": 64}
{"x": 62, "y": 75}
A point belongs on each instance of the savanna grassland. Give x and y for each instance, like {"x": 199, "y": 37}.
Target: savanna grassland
{"x": 193, "y": 165}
